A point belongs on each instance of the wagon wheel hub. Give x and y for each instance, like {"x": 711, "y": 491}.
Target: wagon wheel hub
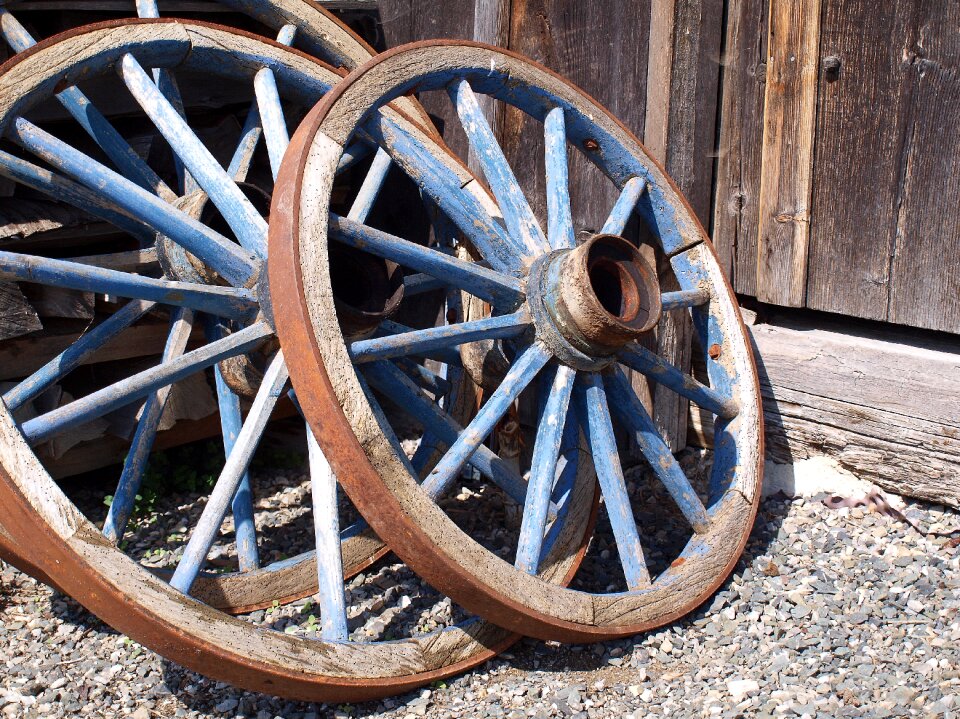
{"x": 591, "y": 301}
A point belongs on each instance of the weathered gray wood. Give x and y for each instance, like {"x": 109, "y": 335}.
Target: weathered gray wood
{"x": 925, "y": 282}
{"x": 789, "y": 114}
{"x": 683, "y": 71}
{"x": 861, "y": 117}
{"x": 884, "y": 405}
{"x": 58, "y": 302}
{"x": 17, "y": 316}
{"x": 743, "y": 76}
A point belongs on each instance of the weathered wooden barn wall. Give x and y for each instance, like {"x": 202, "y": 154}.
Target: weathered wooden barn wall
{"x": 848, "y": 202}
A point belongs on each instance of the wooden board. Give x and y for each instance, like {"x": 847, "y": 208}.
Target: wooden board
{"x": 740, "y": 135}
{"x": 925, "y": 268}
{"x": 787, "y": 156}
{"x": 17, "y": 316}
{"x": 860, "y": 125}
{"x": 883, "y": 404}
{"x": 683, "y": 69}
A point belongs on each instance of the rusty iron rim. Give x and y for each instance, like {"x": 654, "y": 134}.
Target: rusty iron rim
{"x": 424, "y": 538}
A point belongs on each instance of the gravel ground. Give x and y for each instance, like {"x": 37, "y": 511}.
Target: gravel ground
{"x": 830, "y": 613}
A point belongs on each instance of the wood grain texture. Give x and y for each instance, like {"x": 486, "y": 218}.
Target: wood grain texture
{"x": 787, "y": 159}
{"x": 604, "y": 52}
{"x": 17, "y": 315}
{"x": 861, "y": 124}
{"x": 682, "y": 83}
{"x": 882, "y": 404}
{"x": 740, "y": 136}
{"x": 925, "y": 282}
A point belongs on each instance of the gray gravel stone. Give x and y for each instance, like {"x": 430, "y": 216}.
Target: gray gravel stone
{"x": 829, "y": 614}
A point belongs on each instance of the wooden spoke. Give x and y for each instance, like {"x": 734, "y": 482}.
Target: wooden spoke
{"x": 204, "y": 534}
{"x": 523, "y": 225}
{"x": 597, "y": 425}
{"x": 559, "y": 215}
{"x": 419, "y": 342}
{"x": 543, "y": 470}
{"x": 135, "y": 464}
{"x": 628, "y": 407}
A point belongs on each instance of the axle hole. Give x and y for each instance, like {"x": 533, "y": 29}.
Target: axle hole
{"x": 615, "y": 289}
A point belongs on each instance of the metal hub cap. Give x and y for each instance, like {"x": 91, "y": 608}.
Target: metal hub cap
{"x": 597, "y": 298}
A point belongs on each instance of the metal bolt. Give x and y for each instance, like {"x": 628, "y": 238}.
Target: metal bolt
{"x": 714, "y": 351}
{"x": 591, "y": 145}
{"x": 831, "y": 68}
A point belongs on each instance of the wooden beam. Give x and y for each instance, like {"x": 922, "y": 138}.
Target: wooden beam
{"x": 882, "y": 403}
{"x": 740, "y": 135}
{"x": 683, "y": 72}
{"x": 786, "y": 180}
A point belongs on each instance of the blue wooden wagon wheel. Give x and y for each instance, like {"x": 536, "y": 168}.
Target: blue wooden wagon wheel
{"x": 300, "y": 23}
{"x": 566, "y": 319}
{"x": 213, "y": 276}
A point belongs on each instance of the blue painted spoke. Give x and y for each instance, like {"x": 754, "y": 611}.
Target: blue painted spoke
{"x": 591, "y": 403}
{"x": 223, "y": 301}
{"x": 421, "y": 283}
{"x": 91, "y": 120}
{"x": 253, "y": 127}
{"x": 489, "y": 285}
{"x": 230, "y": 424}
{"x": 204, "y": 534}
{"x": 75, "y": 194}
{"x": 243, "y": 218}
{"x": 271, "y": 115}
{"x": 684, "y": 299}
{"x": 525, "y": 230}
{"x": 147, "y": 9}
{"x": 559, "y": 216}
{"x": 441, "y": 426}
{"x": 445, "y": 188}
{"x": 632, "y": 413}
{"x": 663, "y": 373}
{"x": 446, "y": 355}
{"x": 326, "y": 527}
{"x": 624, "y": 207}
{"x": 354, "y": 152}
{"x": 419, "y": 342}
{"x": 232, "y": 262}
{"x": 129, "y": 390}
{"x": 424, "y": 378}
{"x": 74, "y": 355}
{"x": 168, "y": 87}
{"x": 543, "y": 470}
{"x": 135, "y": 464}
{"x": 250, "y": 135}
{"x": 372, "y": 184}
{"x": 521, "y": 373}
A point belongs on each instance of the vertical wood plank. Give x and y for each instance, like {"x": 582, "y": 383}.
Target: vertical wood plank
{"x": 787, "y": 158}
{"x": 861, "y": 131}
{"x": 925, "y": 266}
{"x": 682, "y": 78}
{"x": 740, "y": 135}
